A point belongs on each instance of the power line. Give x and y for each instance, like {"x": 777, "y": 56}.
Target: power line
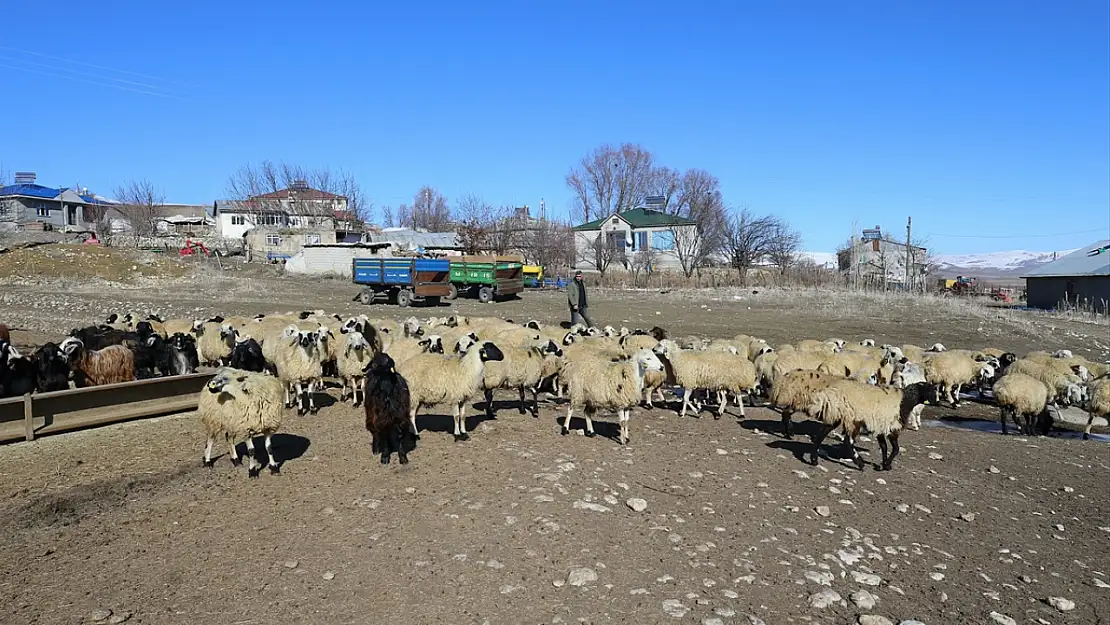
{"x": 77, "y": 71}
{"x": 91, "y": 82}
{"x": 1015, "y": 236}
{"x": 103, "y": 67}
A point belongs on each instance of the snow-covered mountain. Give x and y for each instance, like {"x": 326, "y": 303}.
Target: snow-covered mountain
{"x": 1012, "y": 264}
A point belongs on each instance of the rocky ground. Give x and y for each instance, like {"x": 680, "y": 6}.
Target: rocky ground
{"x": 697, "y": 520}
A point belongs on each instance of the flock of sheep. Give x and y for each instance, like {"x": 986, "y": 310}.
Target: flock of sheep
{"x": 269, "y": 363}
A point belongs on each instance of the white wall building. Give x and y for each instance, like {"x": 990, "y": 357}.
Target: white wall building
{"x": 632, "y": 231}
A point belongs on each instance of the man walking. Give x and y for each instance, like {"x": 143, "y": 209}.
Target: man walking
{"x": 576, "y": 297}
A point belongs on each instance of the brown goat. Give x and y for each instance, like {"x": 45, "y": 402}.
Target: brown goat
{"x": 5, "y": 335}
{"x": 111, "y": 365}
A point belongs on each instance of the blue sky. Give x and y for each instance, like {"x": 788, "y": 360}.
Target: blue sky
{"x": 984, "y": 119}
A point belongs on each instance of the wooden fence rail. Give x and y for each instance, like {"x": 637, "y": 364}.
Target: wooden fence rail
{"x": 61, "y": 411}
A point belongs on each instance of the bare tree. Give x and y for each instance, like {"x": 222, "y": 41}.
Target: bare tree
{"x": 7, "y": 207}
{"x": 140, "y": 206}
{"x": 699, "y": 200}
{"x": 600, "y": 252}
{"x": 549, "y": 244}
{"x": 610, "y": 180}
{"x": 642, "y": 262}
{"x": 475, "y": 221}
{"x": 388, "y": 219}
{"x": 429, "y": 211}
{"x": 784, "y": 245}
{"x": 747, "y": 240}
{"x": 262, "y": 189}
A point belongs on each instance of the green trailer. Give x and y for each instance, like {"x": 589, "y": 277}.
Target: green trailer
{"x": 486, "y": 277}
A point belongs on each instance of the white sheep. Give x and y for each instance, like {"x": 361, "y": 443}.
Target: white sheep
{"x": 434, "y": 379}
{"x": 299, "y": 366}
{"x": 522, "y": 368}
{"x": 241, "y": 405}
{"x": 351, "y": 362}
{"x": 1062, "y": 353}
{"x": 949, "y": 372}
{"x": 905, "y": 374}
{"x": 937, "y": 348}
{"x": 1020, "y": 395}
{"x": 1098, "y": 402}
{"x": 855, "y": 405}
{"x": 720, "y": 371}
{"x": 595, "y": 383}
{"x": 867, "y": 342}
{"x": 215, "y": 340}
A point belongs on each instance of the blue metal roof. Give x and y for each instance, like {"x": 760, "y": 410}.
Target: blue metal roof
{"x": 31, "y": 190}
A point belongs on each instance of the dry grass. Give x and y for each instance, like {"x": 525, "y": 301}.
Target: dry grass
{"x": 88, "y": 262}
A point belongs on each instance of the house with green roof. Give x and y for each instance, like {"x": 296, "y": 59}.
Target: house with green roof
{"x": 625, "y": 233}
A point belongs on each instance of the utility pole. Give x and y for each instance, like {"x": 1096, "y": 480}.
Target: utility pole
{"x": 909, "y": 255}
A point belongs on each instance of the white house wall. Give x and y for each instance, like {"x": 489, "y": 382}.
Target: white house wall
{"x": 665, "y": 259}
{"x": 327, "y": 260}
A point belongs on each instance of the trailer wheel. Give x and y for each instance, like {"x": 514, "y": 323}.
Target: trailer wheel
{"x": 485, "y": 295}
{"x": 366, "y": 297}
{"x": 404, "y": 297}
{"x": 454, "y": 291}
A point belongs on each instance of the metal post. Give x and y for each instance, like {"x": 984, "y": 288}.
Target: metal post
{"x": 909, "y": 256}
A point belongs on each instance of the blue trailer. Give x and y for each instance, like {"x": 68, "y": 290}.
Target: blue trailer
{"x": 402, "y": 280}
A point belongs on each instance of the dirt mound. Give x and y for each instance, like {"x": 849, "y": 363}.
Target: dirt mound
{"x": 84, "y": 262}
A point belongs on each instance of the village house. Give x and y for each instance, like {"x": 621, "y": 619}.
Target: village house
{"x": 877, "y": 261}
{"x": 625, "y": 233}
{"x": 27, "y": 205}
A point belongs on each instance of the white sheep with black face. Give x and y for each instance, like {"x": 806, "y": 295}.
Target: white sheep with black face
{"x": 299, "y": 361}
{"x": 240, "y": 405}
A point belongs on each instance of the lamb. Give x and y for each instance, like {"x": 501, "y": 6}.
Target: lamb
{"x": 388, "y": 403}
{"x": 434, "y": 379}
{"x": 299, "y": 368}
{"x": 352, "y": 361}
{"x": 1023, "y": 396}
{"x": 241, "y": 405}
{"x": 1062, "y": 353}
{"x": 593, "y": 384}
{"x": 183, "y": 350}
{"x": 854, "y": 405}
{"x": 653, "y": 380}
{"x": 51, "y": 369}
{"x": 521, "y": 368}
{"x": 215, "y": 341}
{"x": 950, "y": 371}
{"x": 937, "y": 348}
{"x": 867, "y": 342}
{"x": 723, "y": 372}
{"x": 1098, "y": 402}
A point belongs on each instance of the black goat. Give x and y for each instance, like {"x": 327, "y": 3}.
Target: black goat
{"x": 247, "y": 355}
{"x": 386, "y": 397}
{"x": 185, "y": 357}
{"x": 17, "y": 374}
{"x": 51, "y": 368}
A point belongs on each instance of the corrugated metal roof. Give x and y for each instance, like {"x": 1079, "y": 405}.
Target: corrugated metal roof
{"x": 1090, "y": 260}
{"x": 641, "y": 217}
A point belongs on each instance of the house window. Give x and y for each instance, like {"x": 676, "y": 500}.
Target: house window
{"x": 238, "y": 220}
{"x": 273, "y": 240}
{"x": 312, "y": 239}
{"x": 639, "y": 241}
{"x": 42, "y": 210}
{"x": 663, "y": 240}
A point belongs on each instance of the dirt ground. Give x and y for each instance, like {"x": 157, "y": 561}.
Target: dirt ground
{"x": 521, "y": 525}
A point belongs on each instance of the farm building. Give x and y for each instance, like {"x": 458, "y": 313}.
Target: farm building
{"x": 1081, "y": 279}
{"x": 878, "y": 261}
{"x": 298, "y": 206}
{"x": 616, "y": 237}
